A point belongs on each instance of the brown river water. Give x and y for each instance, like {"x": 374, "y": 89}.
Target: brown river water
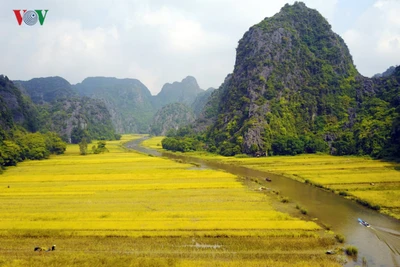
{"x": 378, "y": 245}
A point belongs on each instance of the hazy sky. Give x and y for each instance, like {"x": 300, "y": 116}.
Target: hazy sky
{"x": 159, "y": 41}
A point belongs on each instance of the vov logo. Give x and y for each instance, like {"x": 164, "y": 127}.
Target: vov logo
{"x": 30, "y": 17}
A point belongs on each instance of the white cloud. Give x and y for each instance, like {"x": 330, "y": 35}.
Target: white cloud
{"x": 379, "y": 4}
{"x": 158, "y": 41}
{"x": 66, "y": 49}
{"x": 374, "y": 41}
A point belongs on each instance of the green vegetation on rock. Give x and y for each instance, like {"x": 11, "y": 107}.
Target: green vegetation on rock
{"x": 19, "y": 139}
{"x": 171, "y": 116}
{"x": 295, "y": 90}
{"x": 59, "y": 109}
{"x": 35, "y": 131}
{"x": 44, "y": 90}
{"x": 201, "y": 100}
{"x": 128, "y": 101}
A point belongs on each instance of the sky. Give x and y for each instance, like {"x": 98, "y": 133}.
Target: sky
{"x": 160, "y": 41}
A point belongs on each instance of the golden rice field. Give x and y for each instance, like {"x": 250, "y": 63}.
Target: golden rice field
{"x": 374, "y": 183}
{"x": 153, "y": 142}
{"x": 124, "y": 208}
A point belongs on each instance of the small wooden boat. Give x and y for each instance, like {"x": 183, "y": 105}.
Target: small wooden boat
{"x": 268, "y": 179}
{"x": 364, "y": 223}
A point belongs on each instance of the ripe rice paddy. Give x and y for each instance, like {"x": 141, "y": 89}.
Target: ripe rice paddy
{"x": 374, "y": 183}
{"x": 124, "y": 208}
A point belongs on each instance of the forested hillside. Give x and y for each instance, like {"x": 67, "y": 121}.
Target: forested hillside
{"x": 61, "y": 110}
{"x": 19, "y": 123}
{"x": 295, "y": 89}
{"x": 44, "y": 90}
{"x": 201, "y": 100}
{"x": 177, "y": 105}
{"x": 77, "y": 117}
{"x": 128, "y": 101}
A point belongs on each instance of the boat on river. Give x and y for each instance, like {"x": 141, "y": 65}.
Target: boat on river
{"x": 364, "y": 223}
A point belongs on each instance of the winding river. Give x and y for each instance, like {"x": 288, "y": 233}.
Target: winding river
{"x": 378, "y": 245}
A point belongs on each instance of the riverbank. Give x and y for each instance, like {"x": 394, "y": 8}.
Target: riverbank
{"x": 372, "y": 183}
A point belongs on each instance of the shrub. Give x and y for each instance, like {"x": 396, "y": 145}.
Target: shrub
{"x": 304, "y": 211}
{"x": 181, "y": 144}
{"x": 242, "y": 156}
{"x": 351, "y": 250}
{"x": 33, "y": 145}
{"x": 340, "y": 238}
{"x": 83, "y": 146}
{"x": 327, "y": 226}
{"x": 10, "y": 153}
{"x": 376, "y": 207}
{"x": 101, "y": 147}
{"x": 287, "y": 145}
{"x": 29, "y": 146}
{"x": 285, "y": 200}
{"x": 367, "y": 204}
{"x": 54, "y": 143}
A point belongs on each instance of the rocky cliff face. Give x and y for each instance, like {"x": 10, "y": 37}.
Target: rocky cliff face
{"x": 289, "y": 57}
{"x": 58, "y": 108}
{"x": 185, "y": 92}
{"x": 293, "y": 77}
{"x": 15, "y": 108}
{"x": 209, "y": 113}
{"x": 128, "y": 100}
{"x": 66, "y": 115}
{"x": 201, "y": 100}
{"x": 171, "y": 116}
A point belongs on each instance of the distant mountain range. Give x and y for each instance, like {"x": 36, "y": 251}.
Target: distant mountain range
{"x": 386, "y": 73}
{"x": 131, "y": 104}
{"x": 184, "y": 92}
{"x": 128, "y": 103}
{"x": 45, "y": 90}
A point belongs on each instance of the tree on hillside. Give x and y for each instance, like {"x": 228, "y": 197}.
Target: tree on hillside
{"x": 77, "y": 135}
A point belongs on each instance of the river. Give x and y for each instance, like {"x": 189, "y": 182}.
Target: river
{"x": 378, "y": 245}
